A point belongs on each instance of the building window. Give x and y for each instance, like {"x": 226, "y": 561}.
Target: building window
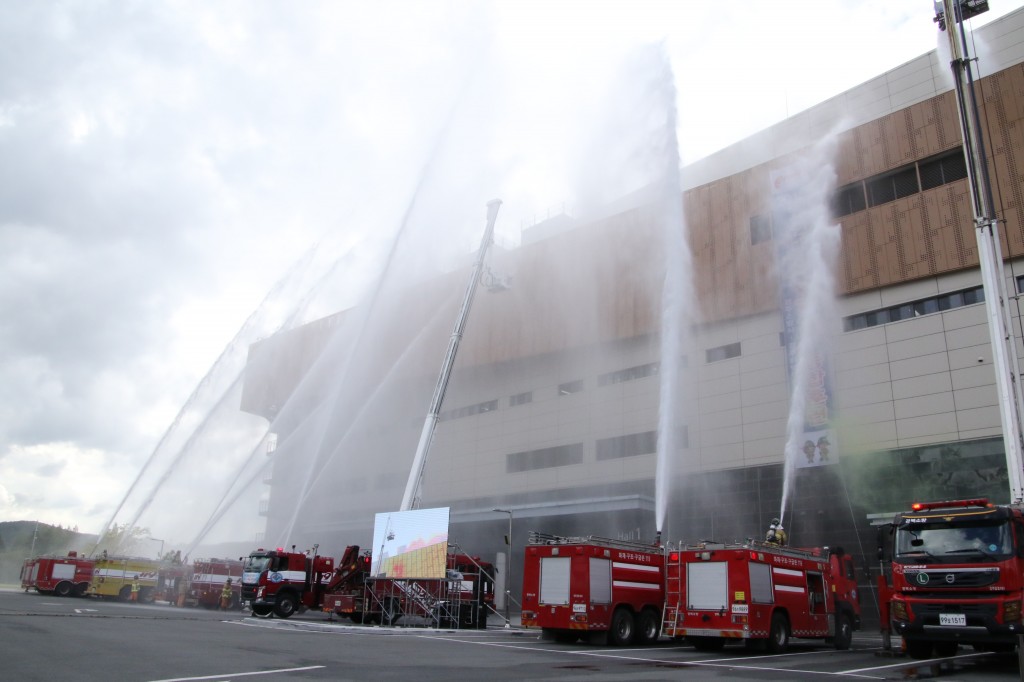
{"x": 631, "y": 445}
{"x": 943, "y": 169}
{"x": 904, "y": 182}
{"x": 897, "y": 185}
{"x": 880, "y": 189}
{"x": 570, "y": 387}
{"x": 545, "y": 458}
{"x": 848, "y": 200}
{"x": 628, "y": 374}
{"x": 760, "y": 229}
{"x": 469, "y": 410}
{"x": 520, "y": 399}
{"x": 731, "y": 350}
{"x": 925, "y": 306}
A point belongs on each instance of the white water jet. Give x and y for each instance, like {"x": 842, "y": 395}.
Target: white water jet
{"x": 677, "y": 305}
{"x": 807, "y": 242}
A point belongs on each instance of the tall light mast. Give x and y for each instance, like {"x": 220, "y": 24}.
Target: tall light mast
{"x": 411, "y": 498}
{"x": 950, "y": 15}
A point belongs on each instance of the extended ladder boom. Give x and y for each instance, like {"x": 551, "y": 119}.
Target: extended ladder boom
{"x": 411, "y": 499}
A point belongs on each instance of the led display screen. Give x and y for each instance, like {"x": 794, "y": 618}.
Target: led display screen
{"x": 410, "y": 544}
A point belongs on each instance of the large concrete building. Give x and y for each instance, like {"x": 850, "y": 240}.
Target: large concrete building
{"x": 553, "y": 410}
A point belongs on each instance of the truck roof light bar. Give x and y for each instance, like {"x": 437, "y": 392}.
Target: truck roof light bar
{"x": 951, "y": 504}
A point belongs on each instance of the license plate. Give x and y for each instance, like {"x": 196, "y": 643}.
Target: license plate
{"x": 952, "y": 619}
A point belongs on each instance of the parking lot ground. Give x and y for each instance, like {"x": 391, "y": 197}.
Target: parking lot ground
{"x": 100, "y": 641}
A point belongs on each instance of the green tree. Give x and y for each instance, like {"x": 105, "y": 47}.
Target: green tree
{"x": 120, "y": 539}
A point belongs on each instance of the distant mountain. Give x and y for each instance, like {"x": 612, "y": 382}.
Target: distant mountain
{"x": 21, "y": 539}
{"x": 28, "y": 537}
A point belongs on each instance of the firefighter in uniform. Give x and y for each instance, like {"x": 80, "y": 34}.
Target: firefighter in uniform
{"x": 135, "y": 589}
{"x": 225, "y": 595}
{"x": 776, "y": 534}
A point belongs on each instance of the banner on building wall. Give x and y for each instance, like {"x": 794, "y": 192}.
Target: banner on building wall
{"x": 796, "y": 213}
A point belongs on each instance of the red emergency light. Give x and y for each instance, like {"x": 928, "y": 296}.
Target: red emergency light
{"x": 951, "y": 504}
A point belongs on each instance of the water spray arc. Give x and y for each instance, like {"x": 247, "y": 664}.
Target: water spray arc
{"x": 370, "y": 309}
{"x": 324, "y": 463}
{"x": 292, "y": 275}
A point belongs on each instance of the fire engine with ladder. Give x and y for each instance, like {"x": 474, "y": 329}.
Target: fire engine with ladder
{"x": 957, "y": 567}
{"x": 278, "y": 582}
{"x": 760, "y": 593}
{"x": 281, "y": 583}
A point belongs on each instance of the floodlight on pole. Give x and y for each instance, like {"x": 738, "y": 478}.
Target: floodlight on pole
{"x": 508, "y": 567}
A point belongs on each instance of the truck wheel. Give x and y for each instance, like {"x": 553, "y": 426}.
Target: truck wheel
{"x": 919, "y": 649}
{"x": 63, "y": 589}
{"x": 650, "y": 627}
{"x": 285, "y": 606}
{"x": 262, "y": 610}
{"x": 844, "y": 632}
{"x": 81, "y": 589}
{"x": 778, "y": 635}
{"x": 125, "y": 594}
{"x": 623, "y": 628}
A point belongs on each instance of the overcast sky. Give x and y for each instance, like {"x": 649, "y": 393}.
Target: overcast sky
{"x": 163, "y": 163}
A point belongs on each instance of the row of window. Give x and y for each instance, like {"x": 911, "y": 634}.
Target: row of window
{"x": 470, "y": 410}
{"x": 905, "y": 311}
{"x": 630, "y": 445}
{"x": 910, "y": 179}
{"x": 880, "y": 189}
{"x": 725, "y": 352}
{"x": 628, "y": 374}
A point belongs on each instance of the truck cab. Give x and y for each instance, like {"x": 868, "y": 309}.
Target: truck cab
{"x": 280, "y": 582}
{"x": 957, "y": 576}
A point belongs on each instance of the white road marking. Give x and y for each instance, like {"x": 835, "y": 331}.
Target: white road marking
{"x": 918, "y": 663}
{"x": 228, "y": 676}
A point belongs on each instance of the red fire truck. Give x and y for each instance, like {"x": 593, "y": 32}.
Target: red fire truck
{"x": 280, "y": 583}
{"x": 171, "y": 581}
{"x": 205, "y": 583}
{"x": 760, "y": 593}
{"x": 609, "y": 591}
{"x": 461, "y": 599}
{"x": 957, "y": 577}
{"x": 61, "y": 575}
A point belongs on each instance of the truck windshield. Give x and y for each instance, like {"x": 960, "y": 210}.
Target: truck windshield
{"x": 953, "y": 542}
{"x": 256, "y": 564}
